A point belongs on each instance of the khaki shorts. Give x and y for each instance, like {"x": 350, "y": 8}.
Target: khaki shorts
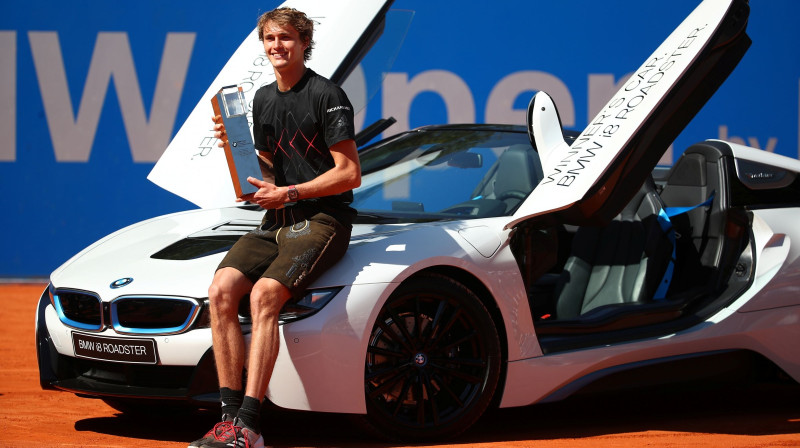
{"x": 290, "y": 247}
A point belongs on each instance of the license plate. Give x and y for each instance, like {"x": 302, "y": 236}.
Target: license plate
{"x": 128, "y": 350}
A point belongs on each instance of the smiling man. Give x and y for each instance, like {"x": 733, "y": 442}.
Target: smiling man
{"x": 304, "y": 133}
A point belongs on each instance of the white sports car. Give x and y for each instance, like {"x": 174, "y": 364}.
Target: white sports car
{"x": 489, "y": 266}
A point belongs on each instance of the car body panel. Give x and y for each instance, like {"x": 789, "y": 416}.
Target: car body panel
{"x": 782, "y": 254}
{"x": 760, "y": 156}
{"x": 394, "y": 257}
{"x": 184, "y": 349}
{"x": 770, "y": 333}
{"x": 568, "y": 372}
{"x": 127, "y": 253}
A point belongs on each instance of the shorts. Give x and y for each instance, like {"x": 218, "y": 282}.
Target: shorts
{"x": 292, "y": 246}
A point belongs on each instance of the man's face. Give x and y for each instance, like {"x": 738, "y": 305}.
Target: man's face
{"x": 283, "y": 46}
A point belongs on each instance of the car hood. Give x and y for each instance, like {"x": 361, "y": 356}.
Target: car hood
{"x": 177, "y": 254}
{"x": 192, "y": 167}
{"x": 128, "y": 253}
{"x": 591, "y": 180}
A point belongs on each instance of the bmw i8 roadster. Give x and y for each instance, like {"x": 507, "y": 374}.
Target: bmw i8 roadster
{"x": 489, "y": 266}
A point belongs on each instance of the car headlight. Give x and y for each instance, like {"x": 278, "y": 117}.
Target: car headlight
{"x": 313, "y": 301}
{"x": 204, "y": 317}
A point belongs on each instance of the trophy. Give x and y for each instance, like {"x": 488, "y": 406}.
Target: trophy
{"x": 239, "y": 149}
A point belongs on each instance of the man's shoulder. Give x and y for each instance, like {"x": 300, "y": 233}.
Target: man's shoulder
{"x": 319, "y": 82}
{"x": 265, "y": 90}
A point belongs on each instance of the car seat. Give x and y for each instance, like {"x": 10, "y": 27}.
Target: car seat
{"x": 518, "y": 173}
{"x": 694, "y": 178}
{"x": 621, "y": 263}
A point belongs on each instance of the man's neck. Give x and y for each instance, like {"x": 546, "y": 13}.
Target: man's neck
{"x": 287, "y": 78}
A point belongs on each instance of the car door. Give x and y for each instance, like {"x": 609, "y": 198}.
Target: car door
{"x": 591, "y": 180}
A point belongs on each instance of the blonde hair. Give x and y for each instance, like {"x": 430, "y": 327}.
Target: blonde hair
{"x": 296, "y": 19}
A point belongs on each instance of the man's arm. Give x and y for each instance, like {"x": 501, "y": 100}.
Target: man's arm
{"x": 344, "y": 176}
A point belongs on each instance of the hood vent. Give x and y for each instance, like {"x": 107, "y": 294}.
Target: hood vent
{"x": 213, "y": 240}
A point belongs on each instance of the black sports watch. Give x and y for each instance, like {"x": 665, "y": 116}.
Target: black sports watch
{"x": 293, "y": 194}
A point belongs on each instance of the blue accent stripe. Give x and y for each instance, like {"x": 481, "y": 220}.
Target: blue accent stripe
{"x": 74, "y": 323}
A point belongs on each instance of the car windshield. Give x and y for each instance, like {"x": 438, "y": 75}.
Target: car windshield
{"x": 446, "y": 173}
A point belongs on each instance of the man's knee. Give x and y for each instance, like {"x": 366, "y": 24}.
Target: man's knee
{"x": 267, "y": 297}
{"x": 227, "y": 289}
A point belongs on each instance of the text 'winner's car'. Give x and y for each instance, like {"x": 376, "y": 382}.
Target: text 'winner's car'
{"x": 489, "y": 266}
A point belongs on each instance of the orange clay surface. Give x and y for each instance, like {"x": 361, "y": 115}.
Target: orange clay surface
{"x": 764, "y": 415}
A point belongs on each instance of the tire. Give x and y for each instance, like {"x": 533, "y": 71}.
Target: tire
{"x": 433, "y": 362}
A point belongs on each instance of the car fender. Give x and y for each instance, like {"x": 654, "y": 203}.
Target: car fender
{"x": 777, "y": 258}
{"x": 320, "y": 365}
{"x": 395, "y": 256}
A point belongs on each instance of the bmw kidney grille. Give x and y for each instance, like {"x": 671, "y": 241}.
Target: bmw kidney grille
{"x": 144, "y": 315}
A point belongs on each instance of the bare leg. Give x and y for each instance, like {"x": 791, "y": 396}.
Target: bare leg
{"x": 225, "y": 293}
{"x": 266, "y": 300}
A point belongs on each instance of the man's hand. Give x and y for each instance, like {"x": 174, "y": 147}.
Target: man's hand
{"x": 268, "y": 195}
{"x": 219, "y": 130}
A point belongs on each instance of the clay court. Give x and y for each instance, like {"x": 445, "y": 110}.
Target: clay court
{"x": 753, "y": 415}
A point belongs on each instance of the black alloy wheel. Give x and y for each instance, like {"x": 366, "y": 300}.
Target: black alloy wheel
{"x": 433, "y": 361}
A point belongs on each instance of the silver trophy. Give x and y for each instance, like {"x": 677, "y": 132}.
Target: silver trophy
{"x": 239, "y": 149}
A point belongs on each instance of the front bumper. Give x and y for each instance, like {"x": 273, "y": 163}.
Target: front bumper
{"x": 320, "y": 365}
{"x": 59, "y": 369}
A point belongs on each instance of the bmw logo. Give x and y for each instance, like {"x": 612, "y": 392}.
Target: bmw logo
{"x": 120, "y": 283}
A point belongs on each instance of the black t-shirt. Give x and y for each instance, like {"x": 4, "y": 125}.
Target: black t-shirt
{"x": 299, "y": 126}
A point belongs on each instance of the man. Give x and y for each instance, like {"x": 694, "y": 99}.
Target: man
{"x": 303, "y": 131}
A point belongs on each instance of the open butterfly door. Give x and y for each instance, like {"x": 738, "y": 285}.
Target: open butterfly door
{"x": 590, "y": 181}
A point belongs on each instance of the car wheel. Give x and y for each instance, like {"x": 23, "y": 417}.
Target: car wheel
{"x": 433, "y": 361}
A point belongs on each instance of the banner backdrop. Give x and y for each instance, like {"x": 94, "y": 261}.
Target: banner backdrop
{"x": 92, "y": 92}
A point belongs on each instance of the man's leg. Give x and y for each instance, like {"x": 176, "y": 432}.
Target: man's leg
{"x": 266, "y": 300}
{"x": 307, "y": 249}
{"x": 224, "y": 295}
